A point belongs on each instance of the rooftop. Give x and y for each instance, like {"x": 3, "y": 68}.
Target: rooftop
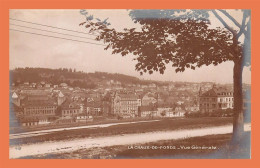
{"x": 38, "y": 103}
{"x": 217, "y": 92}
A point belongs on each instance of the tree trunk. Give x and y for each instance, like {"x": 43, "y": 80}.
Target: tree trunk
{"x": 238, "y": 119}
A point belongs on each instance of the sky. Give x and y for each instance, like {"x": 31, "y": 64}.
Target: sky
{"x": 30, "y": 50}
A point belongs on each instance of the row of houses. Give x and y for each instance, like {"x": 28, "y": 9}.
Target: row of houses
{"x": 32, "y": 107}
{"x": 42, "y": 106}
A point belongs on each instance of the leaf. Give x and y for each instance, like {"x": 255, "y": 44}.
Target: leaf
{"x": 182, "y": 43}
{"x": 83, "y": 12}
{"x": 90, "y": 17}
{"x": 82, "y": 23}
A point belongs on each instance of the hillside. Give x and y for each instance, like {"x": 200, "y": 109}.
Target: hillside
{"x": 72, "y": 77}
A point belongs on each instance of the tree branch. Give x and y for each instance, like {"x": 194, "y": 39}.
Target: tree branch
{"x": 230, "y": 17}
{"x": 248, "y": 26}
{"x": 224, "y": 23}
{"x": 243, "y": 26}
{"x": 92, "y": 26}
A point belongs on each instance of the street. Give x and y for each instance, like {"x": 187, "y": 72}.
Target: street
{"x": 85, "y": 143}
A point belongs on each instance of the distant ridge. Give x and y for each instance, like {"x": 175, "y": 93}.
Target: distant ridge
{"x": 73, "y": 77}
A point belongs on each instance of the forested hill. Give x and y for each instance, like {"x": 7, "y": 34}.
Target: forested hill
{"x": 71, "y": 77}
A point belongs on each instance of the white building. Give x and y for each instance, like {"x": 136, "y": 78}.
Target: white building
{"x": 216, "y": 99}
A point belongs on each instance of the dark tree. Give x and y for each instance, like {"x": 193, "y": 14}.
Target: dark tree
{"x": 184, "y": 39}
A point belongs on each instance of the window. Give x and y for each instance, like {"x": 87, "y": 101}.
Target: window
{"x": 214, "y": 105}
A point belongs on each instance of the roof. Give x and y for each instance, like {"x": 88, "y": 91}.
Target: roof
{"x": 37, "y": 103}
{"x": 149, "y": 94}
{"x": 37, "y": 97}
{"x": 14, "y": 96}
{"x": 63, "y": 84}
{"x": 128, "y": 96}
{"x": 217, "y": 92}
{"x": 95, "y": 104}
{"x": 35, "y": 91}
{"x": 70, "y": 105}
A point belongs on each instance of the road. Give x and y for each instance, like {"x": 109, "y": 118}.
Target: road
{"x": 43, "y": 132}
{"x": 127, "y": 139}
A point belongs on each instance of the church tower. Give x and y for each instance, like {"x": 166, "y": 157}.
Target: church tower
{"x": 16, "y": 99}
{"x": 61, "y": 98}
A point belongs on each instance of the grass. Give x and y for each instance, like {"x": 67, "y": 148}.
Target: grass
{"x": 22, "y": 129}
{"x": 162, "y": 125}
{"x": 222, "y": 144}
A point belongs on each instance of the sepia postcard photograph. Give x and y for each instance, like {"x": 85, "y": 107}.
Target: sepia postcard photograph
{"x": 130, "y": 84}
